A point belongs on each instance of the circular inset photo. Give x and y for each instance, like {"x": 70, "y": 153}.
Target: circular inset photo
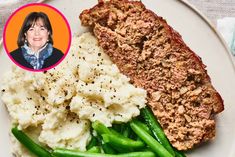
{"x": 37, "y": 37}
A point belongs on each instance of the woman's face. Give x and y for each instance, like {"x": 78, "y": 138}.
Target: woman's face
{"x": 37, "y": 35}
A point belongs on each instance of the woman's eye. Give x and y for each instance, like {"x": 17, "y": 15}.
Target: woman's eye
{"x": 30, "y": 29}
{"x": 42, "y": 28}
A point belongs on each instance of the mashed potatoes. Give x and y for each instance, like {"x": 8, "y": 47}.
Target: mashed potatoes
{"x": 63, "y": 101}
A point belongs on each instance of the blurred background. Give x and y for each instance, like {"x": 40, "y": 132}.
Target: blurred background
{"x": 215, "y": 9}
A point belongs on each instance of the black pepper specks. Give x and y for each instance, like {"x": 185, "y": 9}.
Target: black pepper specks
{"x": 67, "y": 107}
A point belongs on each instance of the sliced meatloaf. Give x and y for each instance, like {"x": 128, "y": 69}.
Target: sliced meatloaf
{"x": 154, "y": 57}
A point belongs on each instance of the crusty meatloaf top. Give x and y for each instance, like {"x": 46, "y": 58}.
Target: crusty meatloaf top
{"x": 154, "y": 57}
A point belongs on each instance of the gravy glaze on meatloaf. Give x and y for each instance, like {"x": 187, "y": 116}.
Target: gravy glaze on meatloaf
{"x": 154, "y": 57}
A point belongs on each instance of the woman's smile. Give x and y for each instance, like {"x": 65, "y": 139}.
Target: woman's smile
{"x": 37, "y": 39}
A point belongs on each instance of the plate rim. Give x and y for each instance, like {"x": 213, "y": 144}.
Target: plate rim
{"x": 213, "y": 27}
{"x": 194, "y": 9}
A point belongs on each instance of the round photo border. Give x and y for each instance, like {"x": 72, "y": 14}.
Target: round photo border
{"x": 44, "y": 5}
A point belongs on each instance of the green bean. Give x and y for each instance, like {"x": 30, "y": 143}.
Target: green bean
{"x": 114, "y": 132}
{"x": 92, "y": 143}
{"x": 149, "y": 140}
{"x": 94, "y": 149}
{"x": 153, "y": 124}
{"x": 100, "y": 128}
{"x": 133, "y": 136}
{"x": 122, "y": 142}
{"x": 108, "y": 149}
{"x": 145, "y": 127}
{"x": 122, "y": 150}
{"x": 70, "y": 153}
{"x": 29, "y": 143}
{"x": 127, "y": 131}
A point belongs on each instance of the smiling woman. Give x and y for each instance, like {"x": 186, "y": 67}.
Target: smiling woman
{"x": 32, "y": 37}
{"x": 35, "y": 42}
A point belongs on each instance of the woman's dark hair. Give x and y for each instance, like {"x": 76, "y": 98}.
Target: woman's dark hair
{"x": 29, "y": 21}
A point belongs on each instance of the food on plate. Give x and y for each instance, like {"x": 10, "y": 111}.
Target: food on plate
{"x": 133, "y": 139}
{"x": 94, "y": 102}
{"x": 155, "y": 127}
{"x": 154, "y": 56}
{"x": 55, "y": 108}
{"x": 29, "y": 143}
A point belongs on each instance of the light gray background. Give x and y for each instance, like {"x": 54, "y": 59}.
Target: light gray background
{"x": 213, "y": 9}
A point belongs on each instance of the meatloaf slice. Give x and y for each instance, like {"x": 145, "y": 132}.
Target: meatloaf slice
{"x": 154, "y": 57}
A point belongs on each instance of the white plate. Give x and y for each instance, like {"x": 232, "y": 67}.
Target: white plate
{"x": 200, "y": 37}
